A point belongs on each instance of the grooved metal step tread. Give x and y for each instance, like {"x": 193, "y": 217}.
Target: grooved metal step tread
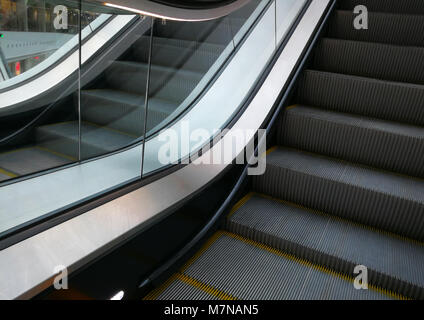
{"x": 167, "y": 83}
{"x": 395, "y": 6}
{"x": 123, "y": 111}
{"x": 398, "y": 29}
{"x": 141, "y": 68}
{"x": 63, "y": 138}
{"x": 368, "y": 59}
{"x": 182, "y": 44}
{"x": 4, "y": 176}
{"x": 247, "y": 270}
{"x": 179, "y": 54}
{"x": 31, "y": 159}
{"x": 388, "y": 100}
{"x": 179, "y": 290}
{"x": 116, "y": 96}
{"x": 393, "y": 263}
{"x": 379, "y": 143}
{"x": 377, "y": 198}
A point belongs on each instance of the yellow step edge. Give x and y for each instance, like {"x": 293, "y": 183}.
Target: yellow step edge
{"x": 247, "y": 197}
{"x": 154, "y": 294}
{"x": 191, "y": 282}
{"x": 61, "y": 155}
{"x": 16, "y": 150}
{"x": 206, "y": 246}
{"x": 292, "y": 107}
{"x": 240, "y": 203}
{"x": 8, "y": 173}
{"x": 205, "y": 287}
{"x": 352, "y": 223}
{"x": 310, "y": 265}
{"x": 222, "y": 295}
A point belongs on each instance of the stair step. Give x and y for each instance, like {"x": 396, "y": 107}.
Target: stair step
{"x": 246, "y": 270}
{"x": 182, "y": 288}
{"x": 394, "y": 101}
{"x": 374, "y": 60}
{"x": 334, "y": 243}
{"x": 215, "y": 32}
{"x": 383, "y": 144}
{"x": 31, "y": 159}
{"x": 63, "y": 138}
{"x": 379, "y": 199}
{"x": 165, "y": 83}
{"x": 177, "y": 53}
{"x": 4, "y": 177}
{"x": 394, "y": 6}
{"x": 397, "y": 29}
{"x": 123, "y": 111}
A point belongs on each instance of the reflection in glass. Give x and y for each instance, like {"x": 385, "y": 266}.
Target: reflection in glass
{"x": 113, "y": 103}
{"x": 30, "y": 43}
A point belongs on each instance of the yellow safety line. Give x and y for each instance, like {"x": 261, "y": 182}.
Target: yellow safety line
{"x": 353, "y": 223}
{"x": 56, "y": 153}
{"x": 240, "y": 203}
{"x": 390, "y": 234}
{"x": 291, "y": 107}
{"x": 311, "y": 265}
{"x": 16, "y": 150}
{"x": 192, "y": 282}
{"x": 206, "y": 246}
{"x": 270, "y": 150}
{"x": 154, "y": 294}
{"x": 205, "y": 287}
{"x": 355, "y": 164}
{"x": 8, "y": 173}
{"x": 222, "y": 295}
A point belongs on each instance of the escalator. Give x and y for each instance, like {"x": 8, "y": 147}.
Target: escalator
{"x": 343, "y": 186}
{"x": 113, "y": 104}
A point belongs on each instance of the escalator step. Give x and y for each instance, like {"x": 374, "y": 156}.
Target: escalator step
{"x": 180, "y": 290}
{"x": 123, "y": 111}
{"x": 334, "y": 243}
{"x": 29, "y": 160}
{"x": 4, "y": 176}
{"x": 394, "y": 6}
{"x": 178, "y": 53}
{"x": 216, "y": 32}
{"x": 374, "y": 98}
{"x": 165, "y": 83}
{"x": 244, "y": 269}
{"x": 379, "y": 199}
{"x": 407, "y": 30}
{"x": 378, "y": 143}
{"x": 374, "y": 60}
{"x": 95, "y": 140}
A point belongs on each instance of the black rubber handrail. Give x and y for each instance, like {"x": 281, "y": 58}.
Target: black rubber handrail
{"x": 180, "y": 10}
{"x": 195, "y": 4}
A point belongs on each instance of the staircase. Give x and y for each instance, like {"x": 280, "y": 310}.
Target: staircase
{"x": 113, "y": 108}
{"x": 343, "y": 187}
